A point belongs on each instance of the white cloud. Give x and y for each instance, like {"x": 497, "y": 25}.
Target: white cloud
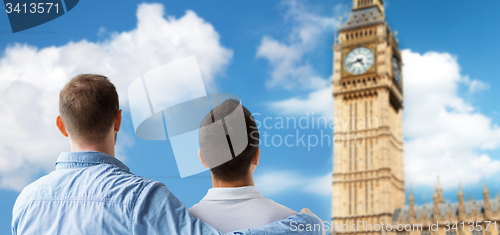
{"x": 476, "y": 85}
{"x": 445, "y": 135}
{"x": 32, "y": 77}
{"x": 276, "y": 182}
{"x": 319, "y": 102}
{"x": 290, "y": 68}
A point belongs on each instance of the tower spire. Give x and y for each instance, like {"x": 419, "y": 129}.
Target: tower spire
{"x": 411, "y": 213}
{"x": 438, "y": 193}
{"x": 487, "y": 205}
{"x": 461, "y": 203}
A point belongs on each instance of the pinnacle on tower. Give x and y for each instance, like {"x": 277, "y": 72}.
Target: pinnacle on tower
{"x": 487, "y": 204}
{"x": 438, "y": 193}
{"x": 410, "y": 198}
{"x": 461, "y": 203}
{"x": 485, "y": 189}
{"x": 411, "y": 213}
{"x": 438, "y": 185}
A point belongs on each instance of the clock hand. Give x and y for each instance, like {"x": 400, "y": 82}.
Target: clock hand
{"x": 358, "y": 60}
{"x": 353, "y": 62}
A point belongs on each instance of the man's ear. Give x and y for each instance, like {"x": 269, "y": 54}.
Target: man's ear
{"x": 201, "y": 159}
{"x": 60, "y": 126}
{"x": 118, "y": 120}
{"x": 256, "y": 157}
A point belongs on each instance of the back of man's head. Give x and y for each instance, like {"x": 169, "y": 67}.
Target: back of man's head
{"x": 88, "y": 105}
{"x": 237, "y": 168}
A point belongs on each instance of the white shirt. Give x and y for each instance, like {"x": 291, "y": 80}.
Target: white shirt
{"x": 230, "y": 209}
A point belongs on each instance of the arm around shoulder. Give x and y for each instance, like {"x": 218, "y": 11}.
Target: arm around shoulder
{"x": 301, "y": 223}
{"x": 158, "y": 211}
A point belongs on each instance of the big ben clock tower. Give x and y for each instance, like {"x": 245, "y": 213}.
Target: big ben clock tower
{"x": 368, "y": 173}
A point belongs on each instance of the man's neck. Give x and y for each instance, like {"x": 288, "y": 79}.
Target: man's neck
{"x": 103, "y": 148}
{"x": 233, "y": 184}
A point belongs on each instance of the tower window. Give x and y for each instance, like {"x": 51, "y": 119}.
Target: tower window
{"x": 355, "y": 201}
{"x": 366, "y": 199}
{"x": 355, "y": 157}
{"x": 350, "y": 201}
{"x": 366, "y": 157}
{"x": 371, "y": 195}
{"x": 371, "y": 115}
{"x": 371, "y": 154}
{"x": 366, "y": 114}
{"x": 350, "y": 158}
{"x": 355, "y": 121}
{"x": 350, "y": 117}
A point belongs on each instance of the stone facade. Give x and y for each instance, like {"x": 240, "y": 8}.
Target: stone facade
{"x": 368, "y": 177}
{"x": 368, "y": 171}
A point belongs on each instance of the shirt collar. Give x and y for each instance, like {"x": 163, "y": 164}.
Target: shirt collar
{"x": 223, "y": 194}
{"x": 86, "y": 159}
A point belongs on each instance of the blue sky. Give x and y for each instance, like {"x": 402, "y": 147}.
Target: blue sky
{"x": 256, "y": 50}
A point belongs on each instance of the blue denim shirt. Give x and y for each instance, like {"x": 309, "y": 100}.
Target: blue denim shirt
{"x": 94, "y": 193}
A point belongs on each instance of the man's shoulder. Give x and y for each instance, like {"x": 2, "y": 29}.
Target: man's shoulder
{"x": 263, "y": 206}
{"x": 234, "y": 214}
{"x": 30, "y": 190}
{"x": 196, "y": 209}
{"x": 276, "y": 208}
{"x": 115, "y": 185}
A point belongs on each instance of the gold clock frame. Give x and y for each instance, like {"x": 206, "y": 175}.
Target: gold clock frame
{"x": 345, "y": 52}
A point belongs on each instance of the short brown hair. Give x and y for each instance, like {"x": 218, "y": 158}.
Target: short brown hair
{"x": 88, "y": 106}
{"x": 238, "y": 167}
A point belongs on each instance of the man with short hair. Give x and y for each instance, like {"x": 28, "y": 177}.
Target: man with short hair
{"x": 234, "y": 202}
{"x": 91, "y": 192}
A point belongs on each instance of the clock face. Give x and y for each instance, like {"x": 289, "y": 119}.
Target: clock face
{"x": 359, "y": 60}
{"x": 396, "y": 70}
